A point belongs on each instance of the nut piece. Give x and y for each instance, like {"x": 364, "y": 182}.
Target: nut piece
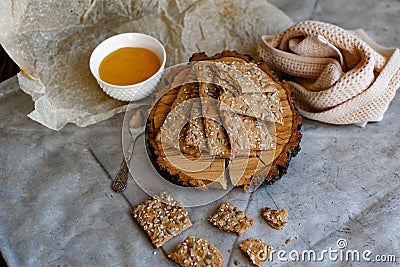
{"x": 275, "y": 218}
{"x": 196, "y": 252}
{"x": 257, "y": 250}
{"x": 229, "y": 219}
{"x": 161, "y": 218}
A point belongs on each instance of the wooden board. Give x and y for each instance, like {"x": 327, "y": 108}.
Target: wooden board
{"x": 264, "y": 166}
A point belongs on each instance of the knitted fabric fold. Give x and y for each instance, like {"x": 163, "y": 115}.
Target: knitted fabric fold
{"x": 337, "y": 76}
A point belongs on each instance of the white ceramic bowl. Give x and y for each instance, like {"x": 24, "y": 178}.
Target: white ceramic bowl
{"x": 135, "y": 91}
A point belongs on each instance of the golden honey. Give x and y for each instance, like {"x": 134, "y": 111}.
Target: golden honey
{"x": 128, "y": 65}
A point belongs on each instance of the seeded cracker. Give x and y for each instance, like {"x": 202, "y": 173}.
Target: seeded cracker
{"x": 161, "y": 218}
{"x": 229, "y": 219}
{"x": 196, "y": 252}
{"x": 275, "y": 218}
{"x": 257, "y": 250}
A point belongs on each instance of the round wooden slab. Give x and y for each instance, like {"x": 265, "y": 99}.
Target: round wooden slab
{"x": 264, "y": 167}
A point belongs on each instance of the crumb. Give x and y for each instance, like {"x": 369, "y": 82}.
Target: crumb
{"x": 236, "y": 262}
{"x": 229, "y": 219}
{"x": 154, "y": 252}
{"x": 287, "y": 241}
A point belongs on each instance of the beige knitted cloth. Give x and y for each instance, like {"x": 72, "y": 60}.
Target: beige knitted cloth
{"x": 337, "y": 76}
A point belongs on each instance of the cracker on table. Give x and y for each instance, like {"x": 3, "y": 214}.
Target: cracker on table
{"x": 230, "y": 219}
{"x": 196, "y": 252}
{"x": 275, "y": 218}
{"x": 161, "y": 218}
{"x": 257, "y": 250}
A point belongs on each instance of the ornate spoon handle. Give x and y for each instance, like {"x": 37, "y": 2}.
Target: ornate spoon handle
{"x": 121, "y": 179}
{"x": 136, "y": 128}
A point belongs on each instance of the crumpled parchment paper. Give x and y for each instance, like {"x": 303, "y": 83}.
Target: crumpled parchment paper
{"x": 51, "y": 41}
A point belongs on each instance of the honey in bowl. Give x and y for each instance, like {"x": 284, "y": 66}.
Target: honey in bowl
{"x": 129, "y": 65}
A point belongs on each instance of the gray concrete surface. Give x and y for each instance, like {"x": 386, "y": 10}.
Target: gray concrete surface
{"x": 57, "y": 207}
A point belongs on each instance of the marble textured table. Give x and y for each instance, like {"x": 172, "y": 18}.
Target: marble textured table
{"x": 57, "y": 207}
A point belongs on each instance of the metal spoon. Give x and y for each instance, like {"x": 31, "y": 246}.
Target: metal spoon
{"x": 136, "y": 128}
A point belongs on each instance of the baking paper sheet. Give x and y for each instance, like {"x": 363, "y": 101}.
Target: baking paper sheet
{"x": 51, "y": 41}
